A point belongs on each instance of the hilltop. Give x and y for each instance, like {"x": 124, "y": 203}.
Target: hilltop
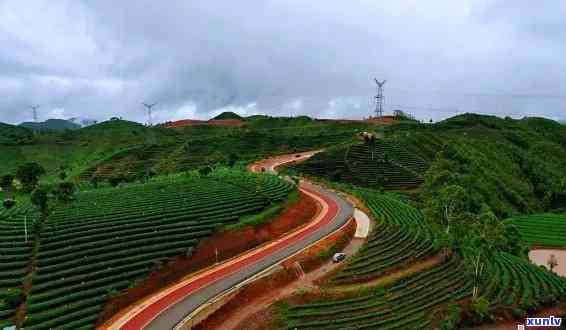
{"x": 51, "y": 125}
{"x": 227, "y": 115}
{"x": 76, "y": 149}
{"x": 514, "y": 166}
{"x": 128, "y": 148}
{"x": 528, "y": 154}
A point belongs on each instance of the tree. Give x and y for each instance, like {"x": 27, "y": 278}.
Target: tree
{"x": 65, "y": 191}
{"x": 479, "y": 309}
{"x": 39, "y": 198}
{"x": 204, "y": 171}
{"x": 448, "y": 206}
{"x": 94, "y": 181}
{"x": 116, "y": 180}
{"x": 232, "y": 159}
{"x": 552, "y": 262}
{"x": 62, "y": 175}
{"x": 9, "y": 203}
{"x": 6, "y": 182}
{"x": 29, "y": 174}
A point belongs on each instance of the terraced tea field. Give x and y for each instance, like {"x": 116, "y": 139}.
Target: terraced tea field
{"x": 106, "y": 239}
{"x": 405, "y": 304}
{"x": 542, "y": 230}
{"x": 399, "y": 238}
{"x": 514, "y": 282}
{"x": 384, "y": 163}
{"x": 411, "y": 303}
{"x": 14, "y": 258}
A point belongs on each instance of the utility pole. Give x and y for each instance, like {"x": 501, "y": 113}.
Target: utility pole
{"x": 379, "y": 98}
{"x": 34, "y": 110}
{"x": 149, "y": 108}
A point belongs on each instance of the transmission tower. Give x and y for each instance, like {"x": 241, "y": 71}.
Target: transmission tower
{"x": 379, "y": 98}
{"x": 34, "y": 110}
{"x": 149, "y": 108}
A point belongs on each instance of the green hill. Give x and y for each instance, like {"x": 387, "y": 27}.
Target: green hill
{"x": 51, "y": 125}
{"x": 99, "y": 244}
{"x": 193, "y": 147}
{"x": 13, "y": 135}
{"x": 78, "y": 149}
{"x": 513, "y": 166}
{"x": 383, "y": 163}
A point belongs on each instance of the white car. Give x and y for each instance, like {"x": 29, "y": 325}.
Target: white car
{"x": 338, "y": 257}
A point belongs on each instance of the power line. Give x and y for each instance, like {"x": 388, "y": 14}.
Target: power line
{"x": 379, "y": 98}
{"x": 34, "y": 110}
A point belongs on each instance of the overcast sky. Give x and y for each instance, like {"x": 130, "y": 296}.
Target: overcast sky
{"x": 102, "y": 58}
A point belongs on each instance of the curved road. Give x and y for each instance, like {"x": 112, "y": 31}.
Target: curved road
{"x": 169, "y": 307}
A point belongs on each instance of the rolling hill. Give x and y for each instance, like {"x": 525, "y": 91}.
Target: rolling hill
{"x": 51, "y": 125}
{"x": 97, "y": 245}
{"x": 228, "y": 115}
{"x": 13, "y": 135}
{"x": 513, "y": 166}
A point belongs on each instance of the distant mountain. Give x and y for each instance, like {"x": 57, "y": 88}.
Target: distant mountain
{"x": 83, "y": 122}
{"x": 10, "y": 134}
{"x": 51, "y": 125}
{"x": 227, "y": 115}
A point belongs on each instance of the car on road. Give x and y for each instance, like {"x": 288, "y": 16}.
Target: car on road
{"x": 338, "y": 257}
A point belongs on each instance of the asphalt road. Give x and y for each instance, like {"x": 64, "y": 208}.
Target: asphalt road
{"x": 167, "y": 311}
{"x": 169, "y": 318}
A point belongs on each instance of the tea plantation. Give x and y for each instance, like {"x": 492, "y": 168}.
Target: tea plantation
{"x": 106, "y": 239}
{"x": 542, "y": 230}
{"x": 383, "y": 163}
{"x": 412, "y": 302}
{"x": 399, "y": 238}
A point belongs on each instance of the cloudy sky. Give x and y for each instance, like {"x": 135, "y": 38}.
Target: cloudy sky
{"x": 97, "y": 59}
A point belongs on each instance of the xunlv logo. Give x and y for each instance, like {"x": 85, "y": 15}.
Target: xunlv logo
{"x": 550, "y": 321}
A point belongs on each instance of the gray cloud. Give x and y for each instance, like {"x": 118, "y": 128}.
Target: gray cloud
{"x": 102, "y": 58}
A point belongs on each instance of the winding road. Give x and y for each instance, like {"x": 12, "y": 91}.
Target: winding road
{"x": 169, "y": 307}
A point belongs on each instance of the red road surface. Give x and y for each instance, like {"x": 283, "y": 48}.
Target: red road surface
{"x": 146, "y": 315}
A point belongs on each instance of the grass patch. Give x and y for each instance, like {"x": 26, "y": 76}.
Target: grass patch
{"x": 266, "y": 215}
